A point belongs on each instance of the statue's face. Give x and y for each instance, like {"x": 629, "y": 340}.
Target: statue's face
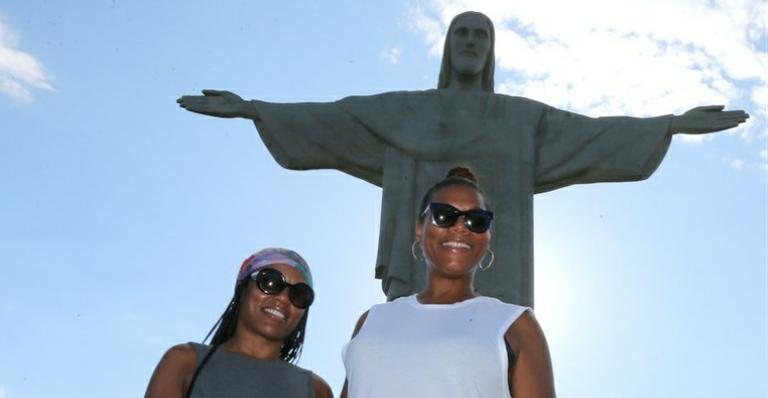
{"x": 470, "y": 42}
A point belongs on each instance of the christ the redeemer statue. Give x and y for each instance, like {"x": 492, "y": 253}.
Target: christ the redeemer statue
{"x": 406, "y": 141}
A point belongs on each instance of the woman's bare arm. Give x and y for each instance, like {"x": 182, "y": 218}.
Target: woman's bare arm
{"x": 531, "y": 374}
{"x": 173, "y": 373}
{"x": 322, "y": 389}
{"x": 359, "y": 325}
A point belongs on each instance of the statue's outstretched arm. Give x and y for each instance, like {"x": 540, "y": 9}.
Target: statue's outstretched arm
{"x": 219, "y": 103}
{"x": 706, "y": 119}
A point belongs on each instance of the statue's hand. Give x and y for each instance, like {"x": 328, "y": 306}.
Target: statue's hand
{"x": 215, "y": 103}
{"x": 707, "y": 119}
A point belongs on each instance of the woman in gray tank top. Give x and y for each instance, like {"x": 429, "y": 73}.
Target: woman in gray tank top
{"x": 256, "y": 341}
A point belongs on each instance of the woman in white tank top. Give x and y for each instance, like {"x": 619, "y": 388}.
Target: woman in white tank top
{"x": 448, "y": 341}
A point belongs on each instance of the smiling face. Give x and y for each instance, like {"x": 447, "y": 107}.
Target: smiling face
{"x": 470, "y": 43}
{"x": 453, "y": 251}
{"x": 271, "y": 316}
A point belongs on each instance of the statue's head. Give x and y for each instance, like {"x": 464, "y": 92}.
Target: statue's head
{"x": 468, "y": 49}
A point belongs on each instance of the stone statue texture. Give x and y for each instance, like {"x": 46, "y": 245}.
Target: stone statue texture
{"x": 406, "y": 141}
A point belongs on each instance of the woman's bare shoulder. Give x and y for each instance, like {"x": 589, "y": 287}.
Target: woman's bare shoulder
{"x": 174, "y": 372}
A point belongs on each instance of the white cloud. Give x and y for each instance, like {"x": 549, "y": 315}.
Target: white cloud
{"x": 3, "y": 393}
{"x": 750, "y": 164}
{"x": 431, "y": 28}
{"x": 391, "y": 55}
{"x": 692, "y": 138}
{"x": 641, "y": 58}
{"x": 733, "y": 162}
{"x": 20, "y": 72}
{"x": 736, "y": 164}
{"x": 760, "y": 97}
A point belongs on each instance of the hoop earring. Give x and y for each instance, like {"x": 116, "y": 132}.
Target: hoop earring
{"x": 413, "y": 252}
{"x": 490, "y": 263}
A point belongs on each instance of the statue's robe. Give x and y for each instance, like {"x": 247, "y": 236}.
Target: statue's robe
{"x": 405, "y": 142}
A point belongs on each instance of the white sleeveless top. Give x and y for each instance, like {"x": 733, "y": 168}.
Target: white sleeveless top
{"x": 407, "y": 349}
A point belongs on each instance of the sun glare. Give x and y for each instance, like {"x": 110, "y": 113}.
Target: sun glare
{"x": 553, "y": 295}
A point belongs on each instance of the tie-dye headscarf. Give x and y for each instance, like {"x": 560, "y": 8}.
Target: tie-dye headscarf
{"x": 274, "y": 255}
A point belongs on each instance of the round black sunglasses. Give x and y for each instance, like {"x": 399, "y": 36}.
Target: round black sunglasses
{"x": 271, "y": 281}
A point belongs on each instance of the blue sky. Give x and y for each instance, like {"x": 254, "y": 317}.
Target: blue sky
{"x": 123, "y": 218}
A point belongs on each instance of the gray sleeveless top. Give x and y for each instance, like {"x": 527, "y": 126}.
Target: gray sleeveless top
{"x": 229, "y": 375}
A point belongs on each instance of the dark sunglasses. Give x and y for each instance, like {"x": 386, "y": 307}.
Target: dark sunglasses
{"x": 445, "y": 216}
{"x": 271, "y": 281}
